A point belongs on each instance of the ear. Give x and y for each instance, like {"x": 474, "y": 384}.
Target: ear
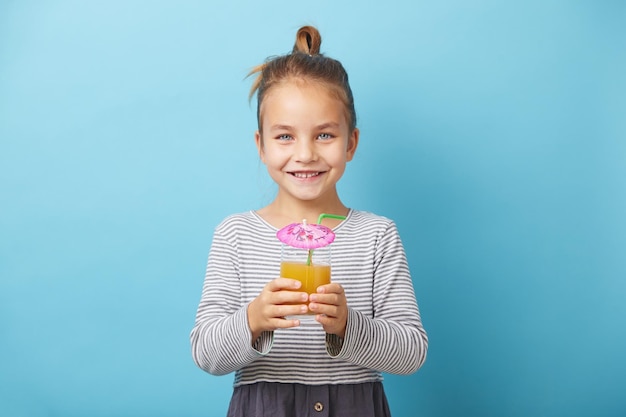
{"x": 259, "y": 145}
{"x": 353, "y": 142}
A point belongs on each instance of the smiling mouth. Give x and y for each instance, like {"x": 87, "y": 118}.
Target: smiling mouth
{"x": 305, "y": 175}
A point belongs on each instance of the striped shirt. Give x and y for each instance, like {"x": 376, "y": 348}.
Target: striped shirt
{"x": 384, "y": 332}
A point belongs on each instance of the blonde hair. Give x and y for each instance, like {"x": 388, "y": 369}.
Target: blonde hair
{"x": 305, "y": 62}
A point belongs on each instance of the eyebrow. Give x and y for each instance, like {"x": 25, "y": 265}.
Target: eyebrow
{"x": 331, "y": 125}
{"x": 328, "y": 125}
{"x": 280, "y": 127}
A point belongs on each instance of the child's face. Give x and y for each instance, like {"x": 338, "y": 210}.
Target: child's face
{"x": 305, "y": 140}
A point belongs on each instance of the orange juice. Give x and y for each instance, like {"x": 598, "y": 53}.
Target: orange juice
{"x": 311, "y": 276}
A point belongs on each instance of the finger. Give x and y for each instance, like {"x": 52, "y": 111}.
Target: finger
{"x": 325, "y": 309}
{"x": 333, "y": 298}
{"x": 291, "y": 310}
{"x": 282, "y": 323}
{"x": 281, "y": 310}
{"x": 331, "y": 325}
{"x": 332, "y": 288}
{"x": 289, "y": 297}
{"x": 283, "y": 284}
{"x": 324, "y": 319}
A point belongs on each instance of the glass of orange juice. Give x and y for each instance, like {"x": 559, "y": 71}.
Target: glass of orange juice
{"x": 312, "y": 270}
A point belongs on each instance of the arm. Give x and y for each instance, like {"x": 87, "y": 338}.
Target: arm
{"x": 393, "y": 340}
{"x": 220, "y": 340}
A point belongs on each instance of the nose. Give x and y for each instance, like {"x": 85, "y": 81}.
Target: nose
{"x": 305, "y": 151}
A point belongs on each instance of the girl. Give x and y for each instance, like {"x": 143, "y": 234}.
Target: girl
{"x": 250, "y": 321}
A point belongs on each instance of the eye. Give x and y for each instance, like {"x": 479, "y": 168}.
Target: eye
{"x": 284, "y": 138}
{"x": 325, "y": 136}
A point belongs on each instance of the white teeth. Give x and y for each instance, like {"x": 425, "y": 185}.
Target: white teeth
{"x": 305, "y": 174}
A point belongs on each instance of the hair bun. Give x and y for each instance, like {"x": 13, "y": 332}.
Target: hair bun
{"x": 308, "y": 41}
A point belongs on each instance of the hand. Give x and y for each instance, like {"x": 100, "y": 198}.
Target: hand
{"x": 331, "y": 307}
{"x": 268, "y": 310}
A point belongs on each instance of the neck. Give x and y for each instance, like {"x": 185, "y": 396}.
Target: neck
{"x": 282, "y": 211}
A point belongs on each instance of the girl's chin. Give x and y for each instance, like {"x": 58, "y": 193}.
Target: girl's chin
{"x": 311, "y": 196}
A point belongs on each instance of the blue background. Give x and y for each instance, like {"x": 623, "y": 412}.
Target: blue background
{"x": 493, "y": 132}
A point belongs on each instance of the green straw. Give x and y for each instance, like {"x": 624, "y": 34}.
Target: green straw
{"x": 319, "y": 221}
{"x": 329, "y": 216}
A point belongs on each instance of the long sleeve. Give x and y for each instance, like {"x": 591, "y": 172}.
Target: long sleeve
{"x": 393, "y": 340}
{"x": 220, "y": 339}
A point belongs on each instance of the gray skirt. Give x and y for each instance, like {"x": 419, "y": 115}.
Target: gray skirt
{"x": 271, "y": 399}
